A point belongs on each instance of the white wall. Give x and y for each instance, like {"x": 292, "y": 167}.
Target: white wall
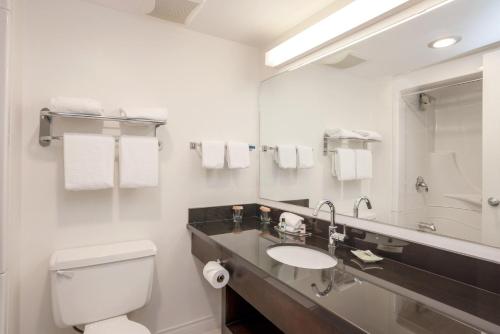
{"x": 73, "y": 48}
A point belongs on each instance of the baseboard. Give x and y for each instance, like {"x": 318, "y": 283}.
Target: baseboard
{"x": 198, "y": 326}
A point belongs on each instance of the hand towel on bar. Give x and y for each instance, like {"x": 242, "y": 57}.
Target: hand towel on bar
{"x": 238, "y": 155}
{"x": 367, "y": 134}
{"x": 286, "y": 156}
{"x": 159, "y": 114}
{"x": 76, "y": 105}
{"x": 344, "y": 162}
{"x": 363, "y": 164}
{"x": 342, "y": 134}
{"x": 305, "y": 157}
{"x": 212, "y": 154}
{"x": 139, "y": 162}
{"x": 89, "y": 161}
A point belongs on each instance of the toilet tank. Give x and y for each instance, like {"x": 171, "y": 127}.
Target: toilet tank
{"x": 95, "y": 283}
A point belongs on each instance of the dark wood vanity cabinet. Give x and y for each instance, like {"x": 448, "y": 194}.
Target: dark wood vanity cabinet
{"x": 254, "y": 302}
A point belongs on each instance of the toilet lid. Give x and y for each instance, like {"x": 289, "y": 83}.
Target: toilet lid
{"x": 119, "y": 325}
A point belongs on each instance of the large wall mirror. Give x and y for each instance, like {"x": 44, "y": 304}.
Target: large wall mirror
{"x": 405, "y": 126}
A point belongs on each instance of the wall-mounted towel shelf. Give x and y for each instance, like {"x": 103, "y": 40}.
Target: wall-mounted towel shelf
{"x": 327, "y": 139}
{"x": 197, "y": 145}
{"x": 46, "y": 116}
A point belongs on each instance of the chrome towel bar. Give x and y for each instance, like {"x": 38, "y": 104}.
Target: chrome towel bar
{"x": 46, "y": 137}
{"x": 327, "y": 139}
{"x": 197, "y": 145}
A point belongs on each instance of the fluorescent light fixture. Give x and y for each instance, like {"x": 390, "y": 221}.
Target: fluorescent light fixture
{"x": 444, "y": 42}
{"x": 345, "y": 19}
{"x": 325, "y": 52}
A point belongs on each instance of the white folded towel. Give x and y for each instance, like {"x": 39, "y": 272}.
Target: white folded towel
{"x": 139, "y": 162}
{"x": 368, "y": 134}
{"x": 305, "y": 157}
{"x": 238, "y": 155}
{"x": 363, "y": 164}
{"x": 212, "y": 154}
{"x": 344, "y": 164}
{"x": 286, "y": 156}
{"x": 76, "y": 105}
{"x": 342, "y": 134}
{"x": 159, "y": 114}
{"x": 89, "y": 161}
{"x": 292, "y": 229}
{"x": 292, "y": 220}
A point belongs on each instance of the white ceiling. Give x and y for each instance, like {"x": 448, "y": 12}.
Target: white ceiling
{"x": 253, "y": 22}
{"x": 404, "y": 48}
{"x": 133, "y": 6}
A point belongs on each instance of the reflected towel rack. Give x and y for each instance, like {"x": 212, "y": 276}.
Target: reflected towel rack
{"x": 46, "y": 116}
{"x": 266, "y": 148}
{"x": 327, "y": 138}
{"x": 197, "y": 145}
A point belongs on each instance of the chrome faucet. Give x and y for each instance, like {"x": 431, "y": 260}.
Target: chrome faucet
{"x": 420, "y": 184}
{"x": 333, "y": 235}
{"x": 358, "y": 202}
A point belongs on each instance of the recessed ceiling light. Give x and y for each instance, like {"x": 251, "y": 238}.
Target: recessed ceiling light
{"x": 444, "y": 42}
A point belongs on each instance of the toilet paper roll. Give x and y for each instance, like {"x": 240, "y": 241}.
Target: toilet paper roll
{"x": 216, "y": 274}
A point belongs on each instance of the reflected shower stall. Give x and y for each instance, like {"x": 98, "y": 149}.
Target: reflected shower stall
{"x": 441, "y": 160}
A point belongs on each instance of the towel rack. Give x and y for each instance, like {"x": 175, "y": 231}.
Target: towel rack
{"x": 327, "y": 138}
{"x": 197, "y": 145}
{"x": 45, "y": 137}
{"x": 266, "y": 148}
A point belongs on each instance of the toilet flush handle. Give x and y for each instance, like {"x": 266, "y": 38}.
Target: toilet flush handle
{"x": 65, "y": 273}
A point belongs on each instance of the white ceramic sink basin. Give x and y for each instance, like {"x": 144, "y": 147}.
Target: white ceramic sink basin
{"x": 300, "y": 256}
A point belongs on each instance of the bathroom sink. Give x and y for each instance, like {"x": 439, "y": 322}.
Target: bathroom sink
{"x": 301, "y": 256}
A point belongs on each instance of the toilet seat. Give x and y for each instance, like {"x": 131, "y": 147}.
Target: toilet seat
{"x": 118, "y": 325}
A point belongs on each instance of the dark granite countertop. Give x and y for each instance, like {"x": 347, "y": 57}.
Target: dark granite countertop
{"x": 386, "y": 297}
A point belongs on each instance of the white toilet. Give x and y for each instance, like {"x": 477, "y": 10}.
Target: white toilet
{"x": 97, "y": 286}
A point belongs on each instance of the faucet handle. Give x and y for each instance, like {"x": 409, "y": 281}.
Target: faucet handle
{"x": 339, "y": 236}
{"x": 334, "y": 235}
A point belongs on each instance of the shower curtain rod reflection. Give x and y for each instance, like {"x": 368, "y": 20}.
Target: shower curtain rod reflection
{"x": 442, "y": 86}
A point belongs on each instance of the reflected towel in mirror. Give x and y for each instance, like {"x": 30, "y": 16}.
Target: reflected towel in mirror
{"x": 305, "y": 156}
{"x": 363, "y": 164}
{"x": 286, "y": 156}
{"x": 344, "y": 164}
{"x": 342, "y": 134}
{"x": 368, "y": 134}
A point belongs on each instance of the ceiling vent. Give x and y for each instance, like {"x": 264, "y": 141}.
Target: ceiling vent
{"x": 342, "y": 60}
{"x": 179, "y": 11}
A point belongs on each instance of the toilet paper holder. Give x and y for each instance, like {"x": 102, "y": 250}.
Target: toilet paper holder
{"x": 216, "y": 274}
{"x": 220, "y": 278}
